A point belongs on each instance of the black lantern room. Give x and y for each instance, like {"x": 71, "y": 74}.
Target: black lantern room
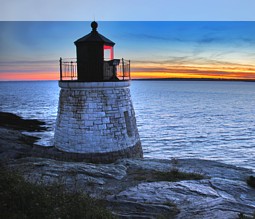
{"x": 91, "y": 60}
{"x": 95, "y": 61}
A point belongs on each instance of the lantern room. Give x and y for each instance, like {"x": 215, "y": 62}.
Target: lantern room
{"x": 95, "y": 60}
{"x": 95, "y": 57}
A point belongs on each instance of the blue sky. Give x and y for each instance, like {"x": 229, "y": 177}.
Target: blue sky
{"x": 132, "y": 10}
{"x": 154, "y": 46}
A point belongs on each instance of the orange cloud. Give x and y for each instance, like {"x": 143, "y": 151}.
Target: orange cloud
{"x": 154, "y": 70}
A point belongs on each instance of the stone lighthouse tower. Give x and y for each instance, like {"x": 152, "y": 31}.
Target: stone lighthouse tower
{"x": 96, "y": 119}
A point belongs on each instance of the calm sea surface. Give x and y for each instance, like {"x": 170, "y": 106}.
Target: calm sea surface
{"x": 181, "y": 119}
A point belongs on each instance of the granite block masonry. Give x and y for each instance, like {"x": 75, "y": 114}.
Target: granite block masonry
{"x": 97, "y": 119}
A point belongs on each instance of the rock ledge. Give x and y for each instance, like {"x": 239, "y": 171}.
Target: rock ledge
{"x": 130, "y": 186}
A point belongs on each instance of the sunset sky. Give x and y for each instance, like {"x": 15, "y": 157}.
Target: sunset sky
{"x": 30, "y": 50}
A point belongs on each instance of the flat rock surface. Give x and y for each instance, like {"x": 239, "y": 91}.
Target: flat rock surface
{"x": 133, "y": 188}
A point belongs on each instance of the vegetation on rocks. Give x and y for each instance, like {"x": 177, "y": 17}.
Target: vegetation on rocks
{"x": 243, "y": 216}
{"x": 21, "y": 199}
{"x": 171, "y": 176}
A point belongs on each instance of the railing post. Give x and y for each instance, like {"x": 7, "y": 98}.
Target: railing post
{"x": 71, "y": 70}
{"x": 60, "y": 65}
{"x": 75, "y": 71}
{"x": 123, "y": 69}
{"x": 128, "y": 69}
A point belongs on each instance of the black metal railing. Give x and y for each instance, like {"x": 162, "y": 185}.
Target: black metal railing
{"x": 114, "y": 70}
{"x": 68, "y": 69}
{"x": 123, "y": 70}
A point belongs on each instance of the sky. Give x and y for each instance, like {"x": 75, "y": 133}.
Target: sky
{"x": 163, "y": 39}
{"x": 157, "y": 49}
{"x": 131, "y": 10}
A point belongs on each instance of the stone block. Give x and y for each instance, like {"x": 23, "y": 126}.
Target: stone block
{"x": 89, "y": 123}
{"x": 109, "y": 125}
{"x": 105, "y": 120}
{"x": 102, "y": 126}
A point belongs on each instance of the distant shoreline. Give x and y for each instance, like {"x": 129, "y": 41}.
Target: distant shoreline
{"x": 190, "y": 79}
{"x": 158, "y": 79}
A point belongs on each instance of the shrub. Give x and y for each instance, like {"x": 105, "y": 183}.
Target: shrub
{"x": 243, "y": 216}
{"x": 20, "y": 199}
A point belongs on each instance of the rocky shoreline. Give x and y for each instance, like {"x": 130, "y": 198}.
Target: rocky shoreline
{"x": 132, "y": 188}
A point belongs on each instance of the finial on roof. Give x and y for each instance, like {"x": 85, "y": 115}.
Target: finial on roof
{"x": 94, "y": 26}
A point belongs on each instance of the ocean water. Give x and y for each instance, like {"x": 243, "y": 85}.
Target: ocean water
{"x": 176, "y": 119}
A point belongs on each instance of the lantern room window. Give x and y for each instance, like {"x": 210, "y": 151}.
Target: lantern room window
{"x": 108, "y": 52}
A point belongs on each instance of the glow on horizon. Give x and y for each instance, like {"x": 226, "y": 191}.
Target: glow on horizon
{"x": 143, "y": 74}
{"x": 147, "y": 71}
{"x": 22, "y": 76}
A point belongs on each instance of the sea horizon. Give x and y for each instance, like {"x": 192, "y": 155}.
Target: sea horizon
{"x": 155, "y": 79}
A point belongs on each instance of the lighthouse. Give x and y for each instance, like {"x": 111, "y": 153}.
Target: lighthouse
{"x": 96, "y": 119}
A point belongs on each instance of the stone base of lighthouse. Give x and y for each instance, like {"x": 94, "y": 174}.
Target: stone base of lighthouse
{"x": 96, "y": 120}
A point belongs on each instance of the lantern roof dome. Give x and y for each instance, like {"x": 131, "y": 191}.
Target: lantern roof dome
{"x": 94, "y": 36}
